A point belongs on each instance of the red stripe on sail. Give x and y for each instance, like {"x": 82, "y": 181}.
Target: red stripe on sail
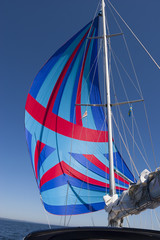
{"x": 38, "y": 150}
{"x": 62, "y": 126}
{"x": 103, "y": 167}
{"x": 63, "y": 168}
{"x": 78, "y": 99}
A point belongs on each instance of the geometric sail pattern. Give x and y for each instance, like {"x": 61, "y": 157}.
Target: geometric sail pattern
{"x": 69, "y": 152}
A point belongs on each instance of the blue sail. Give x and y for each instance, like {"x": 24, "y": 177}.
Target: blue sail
{"x": 68, "y": 143}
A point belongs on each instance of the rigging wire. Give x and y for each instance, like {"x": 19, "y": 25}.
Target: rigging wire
{"x": 120, "y": 110}
{"x": 133, "y": 117}
{"x": 145, "y": 111}
{"x": 139, "y": 91}
{"x": 135, "y": 36}
{"x": 110, "y": 74}
{"x": 155, "y": 162}
{"x": 125, "y": 146}
{"x": 130, "y": 58}
{"x": 115, "y": 91}
{"x": 136, "y": 144}
{"x": 141, "y": 142}
{"x": 127, "y": 74}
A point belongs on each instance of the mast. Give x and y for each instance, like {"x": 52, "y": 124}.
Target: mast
{"x": 110, "y": 147}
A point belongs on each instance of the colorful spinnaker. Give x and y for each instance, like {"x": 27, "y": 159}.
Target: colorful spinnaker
{"x": 67, "y": 142}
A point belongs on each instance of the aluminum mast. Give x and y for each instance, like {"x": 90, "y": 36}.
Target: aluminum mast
{"x": 110, "y": 144}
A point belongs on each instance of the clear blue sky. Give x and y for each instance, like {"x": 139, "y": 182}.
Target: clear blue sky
{"x": 31, "y": 31}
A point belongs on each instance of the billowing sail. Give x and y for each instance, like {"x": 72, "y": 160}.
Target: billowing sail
{"x": 68, "y": 143}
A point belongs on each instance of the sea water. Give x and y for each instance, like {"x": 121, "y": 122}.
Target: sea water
{"x": 17, "y": 230}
